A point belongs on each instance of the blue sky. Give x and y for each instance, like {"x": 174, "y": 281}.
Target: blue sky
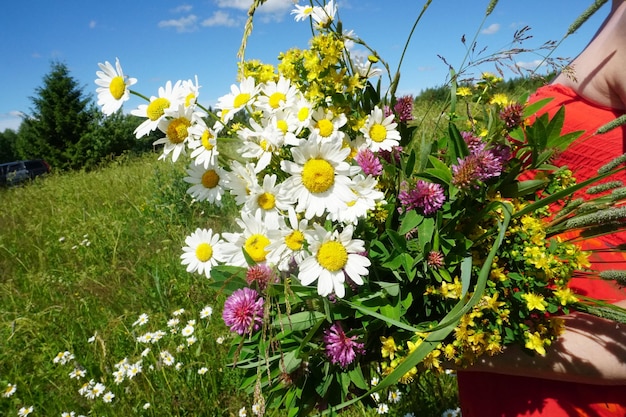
{"x": 161, "y": 40}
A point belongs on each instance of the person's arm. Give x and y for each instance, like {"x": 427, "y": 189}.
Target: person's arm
{"x": 591, "y": 350}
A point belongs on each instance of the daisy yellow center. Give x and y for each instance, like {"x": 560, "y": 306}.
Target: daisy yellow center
{"x": 204, "y": 252}
{"x": 206, "y": 140}
{"x": 210, "y": 179}
{"x": 318, "y": 175}
{"x": 117, "y": 87}
{"x": 332, "y": 256}
{"x": 303, "y": 113}
{"x": 307, "y": 10}
{"x": 190, "y": 99}
{"x": 267, "y": 201}
{"x": 255, "y": 247}
{"x": 276, "y": 98}
{"x": 241, "y": 99}
{"x": 157, "y": 107}
{"x": 282, "y": 126}
{"x": 295, "y": 240}
{"x": 264, "y": 144}
{"x": 177, "y": 130}
{"x": 326, "y": 127}
{"x": 378, "y": 132}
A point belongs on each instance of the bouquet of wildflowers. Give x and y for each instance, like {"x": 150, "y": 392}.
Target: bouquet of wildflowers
{"x": 366, "y": 251}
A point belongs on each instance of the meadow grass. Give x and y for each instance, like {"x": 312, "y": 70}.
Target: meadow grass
{"x": 82, "y": 256}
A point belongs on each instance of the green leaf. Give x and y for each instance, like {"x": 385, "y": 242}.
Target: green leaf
{"x": 410, "y": 221}
{"x": 425, "y": 231}
{"x": 300, "y": 321}
{"x": 536, "y": 106}
{"x": 439, "y": 170}
{"x": 356, "y": 376}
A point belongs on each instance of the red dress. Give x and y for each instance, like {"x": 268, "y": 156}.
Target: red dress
{"x": 485, "y": 394}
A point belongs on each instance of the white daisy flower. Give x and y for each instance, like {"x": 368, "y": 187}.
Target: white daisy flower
{"x": 365, "y": 196}
{"x": 394, "y": 396}
{"x": 77, "y": 373}
{"x": 319, "y": 179}
{"x": 134, "y": 369}
{"x": 9, "y": 390}
{"x": 145, "y": 352}
{"x": 253, "y": 240}
{"x": 113, "y": 87}
{"x": 240, "y": 96}
{"x": 143, "y": 319}
{"x": 382, "y": 408}
{"x": 187, "y": 330}
{"x": 68, "y": 414}
{"x": 146, "y": 406}
{"x": 277, "y": 95}
{"x": 268, "y": 200}
{"x": 176, "y": 128}
{"x": 285, "y": 124}
{"x": 303, "y": 110}
{"x": 178, "y": 312}
{"x": 380, "y": 132}
{"x": 169, "y": 98}
{"x": 203, "y": 141}
{"x": 240, "y": 179}
{"x": 364, "y": 67}
{"x": 108, "y": 397}
{"x": 302, "y": 12}
{"x": 206, "y": 312}
{"x": 243, "y": 412}
{"x": 167, "y": 358}
{"x": 323, "y": 16}
{"x": 24, "y": 411}
{"x": 334, "y": 256}
{"x": 289, "y": 241}
{"x": 203, "y": 370}
{"x": 173, "y": 322}
{"x": 326, "y": 125}
{"x": 190, "y": 92}
{"x": 203, "y": 251}
{"x": 260, "y": 143}
{"x": 208, "y": 182}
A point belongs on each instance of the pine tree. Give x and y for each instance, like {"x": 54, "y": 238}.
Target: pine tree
{"x": 59, "y": 117}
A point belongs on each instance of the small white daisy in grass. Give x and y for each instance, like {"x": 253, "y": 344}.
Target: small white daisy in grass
{"x": 68, "y": 414}
{"x": 143, "y": 319}
{"x": 319, "y": 178}
{"x": 108, "y": 397}
{"x": 256, "y": 409}
{"x": 187, "y": 331}
{"x": 146, "y": 406}
{"x": 335, "y": 256}
{"x": 63, "y": 357}
{"x": 134, "y": 369}
{"x": 180, "y": 348}
{"x": 219, "y": 340}
{"x": 245, "y": 94}
{"x": 203, "y": 370}
{"x": 394, "y": 396}
{"x": 191, "y": 340}
{"x": 191, "y": 322}
{"x": 92, "y": 338}
{"x": 382, "y": 408}
{"x": 170, "y": 96}
{"x": 113, "y": 87}
{"x": 77, "y": 373}
{"x": 365, "y": 194}
{"x": 203, "y": 250}
{"x": 207, "y": 182}
{"x": 179, "y": 366}
{"x": 176, "y": 127}
{"x": 96, "y": 391}
{"x": 253, "y": 240}
{"x": 288, "y": 242}
{"x": 277, "y": 95}
{"x": 268, "y": 200}
{"x": 326, "y": 125}
{"x": 119, "y": 376}
{"x": 9, "y": 390}
{"x": 243, "y": 412}
{"x": 173, "y": 322}
{"x": 380, "y": 131}
{"x": 178, "y": 312}
{"x": 145, "y": 352}
{"x": 24, "y": 411}
{"x": 203, "y": 141}
{"x": 302, "y": 12}
{"x": 206, "y": 312}
{"x": 167, "y": 358}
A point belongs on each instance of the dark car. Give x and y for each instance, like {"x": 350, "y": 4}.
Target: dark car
{"x": 17, "y": 172}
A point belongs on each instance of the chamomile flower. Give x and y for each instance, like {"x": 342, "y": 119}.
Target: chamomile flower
{"x": 323, "y": 16}
{"x": 260, "y": 143}
{"x": 365, "y": 197}
{"x": 277, "y": 95}
{"x": 319, "y": 177}
{"x": 285, "y": 123}
{"x": 203, "y": 251}
{"x": 302, "y": 12}
{"x": 207, "y": 182}
{"x": 253, "y": 240}
{"x": 335, "y": 255}
{"x": 113, "y": 87}
{"x": 380, "y": 131}
{"x": 240, "y": 179}
{"x": 178, "y": 312}
{"x": 108, "y": 397}
{"x": 169, "y": 98}
{"x": 24, "y": 411}
{"x": 77, "y": 373}
{"x": 203, "y": 370}
{"x": 143, "y": 319}
{"x": 203, "y": 141}
{"x": 240, "y": 96}
{"x": 9, "y": 390}
{"x": 167, "y": 358}
{"x": 134, "y": 369}
{"x": 187, "y": 330}
{"x": 326, "y": 125}
{"x": 303, "y": 110}
{"x": 176, "y": 128}
{"x": 206, "y": 312}
{"x": 289, "y": 241}
{"x": 68, "y": 414}
{"x": 268, "y": 200}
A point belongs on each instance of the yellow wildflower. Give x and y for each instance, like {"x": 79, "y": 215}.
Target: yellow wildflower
{"x": 535, "y": 302}
{"x": 463, "y": 91}
{"x": 388, "y": 347}
{"x": 535, "y": 342}
{"x": 565, "y": 296}
{"x": 499, "y": 99}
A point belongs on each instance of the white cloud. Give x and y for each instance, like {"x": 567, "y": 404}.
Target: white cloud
{"x": 531, "y": 65}
{"x": 491, "y": 29}
{"x": 92, "y": 24}
{"x": 220, "y": 18}
{"x": 183, "y": 8}
{"x": 183, "y": 24}
{"x": 11, "y": 120}
{"x": 275, "y": 9}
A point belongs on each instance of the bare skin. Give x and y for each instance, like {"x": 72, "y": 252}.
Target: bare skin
{"x": 591, "y": 350}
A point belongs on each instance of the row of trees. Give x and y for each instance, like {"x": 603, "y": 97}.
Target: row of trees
{"x": 67, "y": 129}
